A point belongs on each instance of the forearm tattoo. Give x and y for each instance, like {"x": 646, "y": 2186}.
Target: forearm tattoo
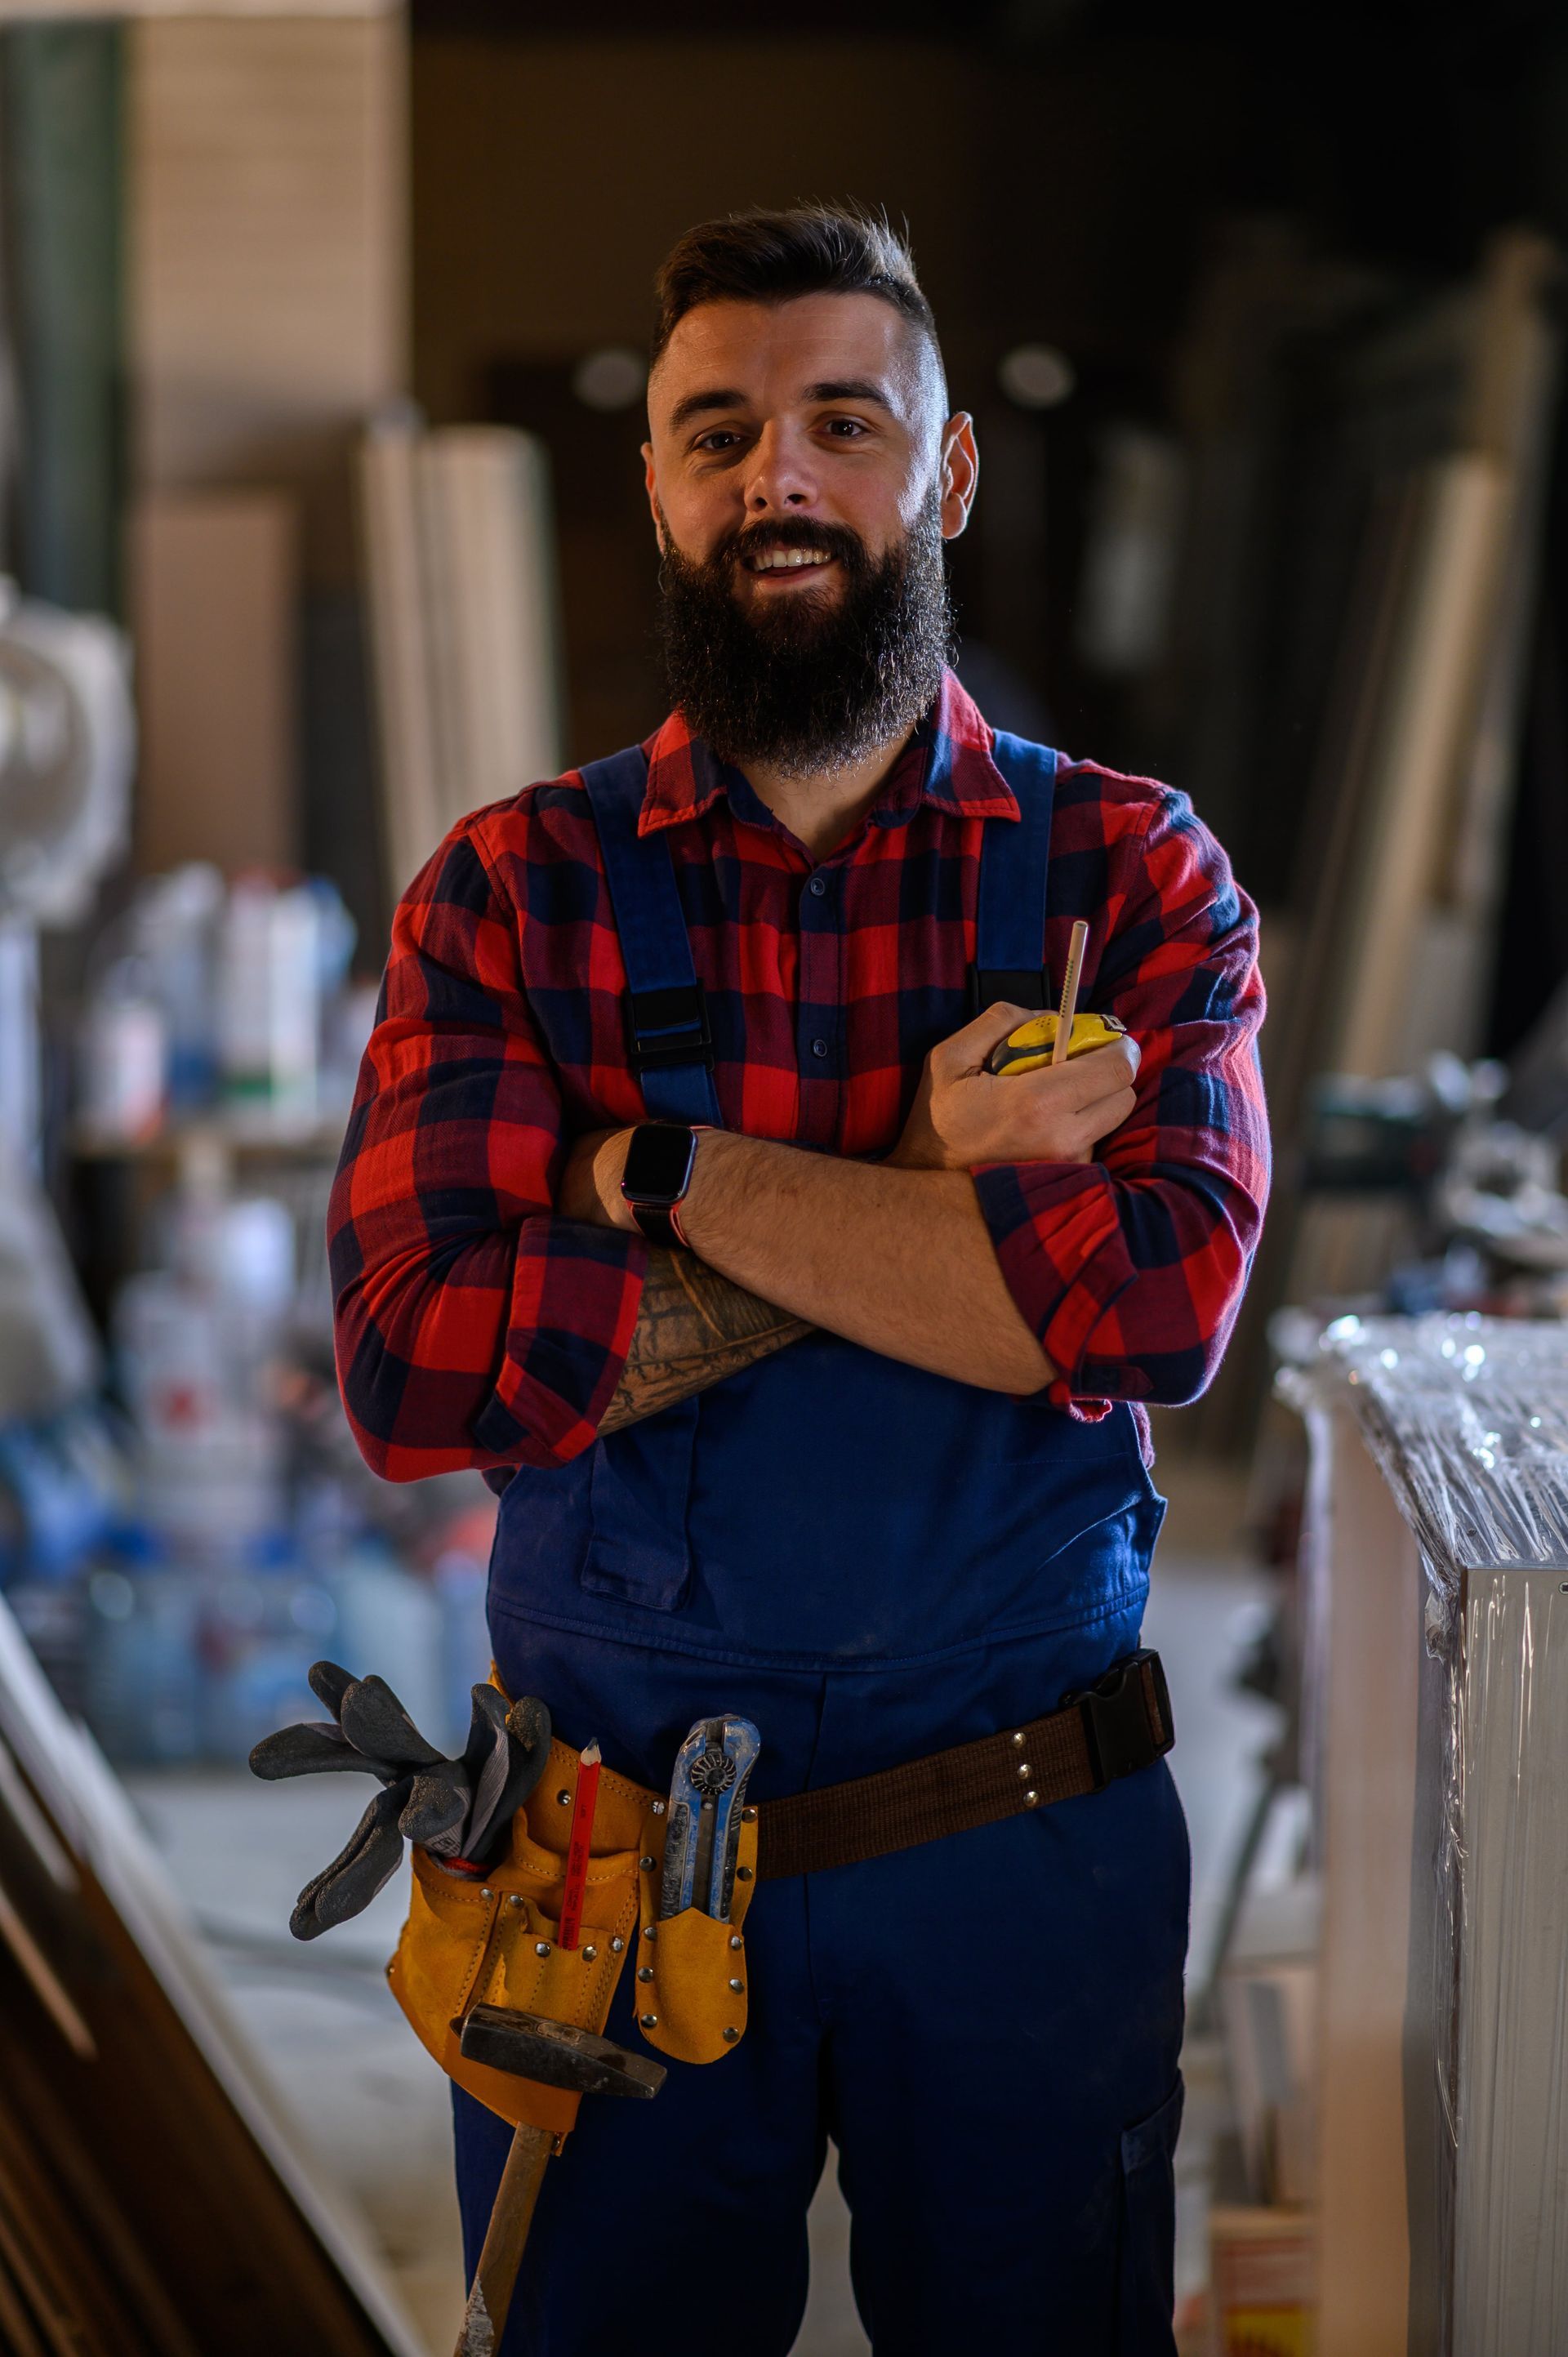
{"x": 693, "y": 1328}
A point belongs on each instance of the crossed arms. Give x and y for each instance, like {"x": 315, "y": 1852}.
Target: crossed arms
{"x": 492, "y": 1310}
{"x": 895, "y": 1254}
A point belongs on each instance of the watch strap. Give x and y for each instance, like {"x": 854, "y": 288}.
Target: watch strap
{"x": 660, "y": 1224}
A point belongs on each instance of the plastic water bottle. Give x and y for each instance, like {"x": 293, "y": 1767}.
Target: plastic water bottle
{"x": 143, "y": 1685}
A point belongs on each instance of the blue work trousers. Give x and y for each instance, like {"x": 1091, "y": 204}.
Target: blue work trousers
{"x": 988, "y": 2028}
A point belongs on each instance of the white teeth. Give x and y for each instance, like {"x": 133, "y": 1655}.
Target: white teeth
{"x": 775, "y": 560}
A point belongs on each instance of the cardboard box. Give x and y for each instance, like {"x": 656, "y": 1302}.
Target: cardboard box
{"x": 1263, "y": 2294}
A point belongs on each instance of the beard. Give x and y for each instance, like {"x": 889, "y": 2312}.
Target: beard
{"x": 810, "y": 680}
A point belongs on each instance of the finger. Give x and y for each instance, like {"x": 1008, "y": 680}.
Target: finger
{"x": 528, "y": 1723}
{"x": 1107, "y": 1117}
{"x": 308, "y": 1749}
{"x": 1079, "y": 1086}
{"x": 489, "y": 1762}
{"x": 328, "y": 1683}
{"x": 1104, "y": 1070}
{"x": 489, "y": 1827}
{"x": 438, "y": 1807}
{"x": 375, "y": 1722}
{"x": 966, "y": 1050}
{"x": 366, "y": 1863}
{"x": 1079, "y": 1081}
{"x": 486, "y": 1727}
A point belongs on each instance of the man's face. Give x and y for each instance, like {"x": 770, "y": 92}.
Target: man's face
{"x": 824, "y": 409}
{"x": 802, "y": 479}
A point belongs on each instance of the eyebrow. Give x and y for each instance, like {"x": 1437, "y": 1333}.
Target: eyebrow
{"x": 849, "y": 388}
{"x": 696, "y": 405}
{"x": 839, "y": 388}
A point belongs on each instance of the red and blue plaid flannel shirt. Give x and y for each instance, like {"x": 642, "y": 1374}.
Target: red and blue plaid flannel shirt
{"x": 477, "y": 1328}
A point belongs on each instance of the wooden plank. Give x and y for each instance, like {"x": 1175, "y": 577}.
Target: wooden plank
{"x": 267, "y": 239}
{"x": 169, "y": 2125}
{"x": 486, "y": 533}
{"x": 400, "y": 649}
{"x": 214, "y": 620}
{"x": 29, "y": 11}
{"x": 1366, "y": 1592}
{"x": 1432, "y": 697}
{"x": 61, "y": 103}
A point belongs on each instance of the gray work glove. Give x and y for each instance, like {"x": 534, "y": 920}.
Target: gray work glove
{"x": 460, "y": 1809}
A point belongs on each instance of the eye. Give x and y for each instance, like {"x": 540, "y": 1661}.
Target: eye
{"x": 846, "y": 429}
{"x": 717, "y": 438}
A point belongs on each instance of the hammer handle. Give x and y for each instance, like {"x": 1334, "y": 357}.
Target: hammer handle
{"x": 495, "y": 2278}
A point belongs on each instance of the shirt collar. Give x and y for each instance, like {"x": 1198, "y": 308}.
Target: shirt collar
{"x": 947, "y": 763}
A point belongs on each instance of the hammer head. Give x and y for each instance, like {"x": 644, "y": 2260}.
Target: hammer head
{"x": 555, "y": 2053}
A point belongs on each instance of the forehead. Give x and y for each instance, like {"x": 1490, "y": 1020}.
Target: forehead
{"x": 772, "y": 354}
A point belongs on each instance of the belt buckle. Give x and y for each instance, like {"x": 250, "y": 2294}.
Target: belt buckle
{"x": 1115, "y": 1718}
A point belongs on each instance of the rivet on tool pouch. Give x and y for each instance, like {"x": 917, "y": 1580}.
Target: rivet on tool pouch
{"x": 697, "y": 1871}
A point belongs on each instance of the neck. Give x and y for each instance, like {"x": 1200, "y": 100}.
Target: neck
{"x": 822, "y": 808}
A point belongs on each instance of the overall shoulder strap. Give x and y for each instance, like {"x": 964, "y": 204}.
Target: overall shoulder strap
{"x": 1015, "y": 856}
{"x": 668, "y": 1038}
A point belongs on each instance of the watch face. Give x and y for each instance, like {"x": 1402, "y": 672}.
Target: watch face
{"x": 658, "y": 1164}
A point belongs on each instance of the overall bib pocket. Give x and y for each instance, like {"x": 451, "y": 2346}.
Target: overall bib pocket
{"x": 639, "y": 1551}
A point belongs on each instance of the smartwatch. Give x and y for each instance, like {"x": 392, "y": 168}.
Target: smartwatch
{"x": 659, "y": 1163}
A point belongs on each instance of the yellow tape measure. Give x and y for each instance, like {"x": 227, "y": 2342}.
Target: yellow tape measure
{"x": 1025, "y": 1049}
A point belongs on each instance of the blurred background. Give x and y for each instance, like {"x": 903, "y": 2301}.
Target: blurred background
{"x": 322, "y": 341}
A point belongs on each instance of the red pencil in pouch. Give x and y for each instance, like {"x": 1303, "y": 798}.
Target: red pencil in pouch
{"x": 579, "y": 1845}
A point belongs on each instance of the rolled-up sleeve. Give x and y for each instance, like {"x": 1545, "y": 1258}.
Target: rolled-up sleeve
{"x": 1130, "y": 1269}
{"x": 473, "y": 1326}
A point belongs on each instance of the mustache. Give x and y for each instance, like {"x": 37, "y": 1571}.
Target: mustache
{"x": 791, "y": 532}
{"x": 800, "y": 682}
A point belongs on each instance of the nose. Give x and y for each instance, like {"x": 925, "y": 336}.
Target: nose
{"x": 781, "y": 480}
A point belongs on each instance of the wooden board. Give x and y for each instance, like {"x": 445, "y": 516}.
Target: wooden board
{"x": 267, "y": 239}
{"x": 154, "y": 2198}
{"x": 214, "y": 620}
{"x": 1365, "y": 1648}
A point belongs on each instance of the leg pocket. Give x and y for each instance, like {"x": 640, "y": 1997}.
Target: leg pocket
{"x": 1145, "y": 2276}
{"x": 637, "y": 1497}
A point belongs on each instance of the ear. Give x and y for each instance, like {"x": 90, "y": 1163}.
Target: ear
{"x": 960, "y": 473}
{"x": 652, "y": 484}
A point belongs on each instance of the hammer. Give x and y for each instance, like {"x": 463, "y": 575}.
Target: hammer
{"x": 556, "y": 2054}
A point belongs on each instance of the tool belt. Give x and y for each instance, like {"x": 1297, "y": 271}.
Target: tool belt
{"x": 1112, "y": 1729}
{"x": 496, "y": 1943}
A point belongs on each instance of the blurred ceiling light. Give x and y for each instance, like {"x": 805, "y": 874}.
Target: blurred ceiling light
{"x": 1036, "y": 376}
{"x": 612, "y": 378}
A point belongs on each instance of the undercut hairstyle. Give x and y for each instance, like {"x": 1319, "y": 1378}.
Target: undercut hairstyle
{"x": 771, "y": 257}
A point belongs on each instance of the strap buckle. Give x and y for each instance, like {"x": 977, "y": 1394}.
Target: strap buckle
{"x": 667, "y": 1027}
{"x": 1116, "y": 1718}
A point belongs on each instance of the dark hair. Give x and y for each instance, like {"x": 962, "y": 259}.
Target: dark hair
{"x": 770, "y": 257}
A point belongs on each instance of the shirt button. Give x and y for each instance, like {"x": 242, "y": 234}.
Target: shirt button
{"x": 817, "y": 886}
{"x": 819, "y": 1047}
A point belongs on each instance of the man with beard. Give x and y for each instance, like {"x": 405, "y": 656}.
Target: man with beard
{"x": 808, "y": 1357}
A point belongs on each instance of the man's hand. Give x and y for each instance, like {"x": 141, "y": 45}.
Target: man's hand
{"x": 964, "y": 1116}
{"x": 893, "y": 1254}
{"x": 589, "y": 1185}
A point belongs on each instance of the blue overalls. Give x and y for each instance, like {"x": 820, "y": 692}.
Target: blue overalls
{"x": 871, "y": 1563}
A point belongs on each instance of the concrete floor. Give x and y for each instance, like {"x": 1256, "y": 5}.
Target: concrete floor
{"x": 375, "y": 2108}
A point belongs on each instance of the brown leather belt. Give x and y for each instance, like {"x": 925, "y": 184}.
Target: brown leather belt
{"x": 1112, "y": 1729}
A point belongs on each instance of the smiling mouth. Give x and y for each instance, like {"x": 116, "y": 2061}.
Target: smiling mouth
{"x": 773, "y": 562}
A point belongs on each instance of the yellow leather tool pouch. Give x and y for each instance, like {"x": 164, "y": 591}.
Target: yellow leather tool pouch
{"x": 691, "y": 1969}
{"x": 496, "y": 1943}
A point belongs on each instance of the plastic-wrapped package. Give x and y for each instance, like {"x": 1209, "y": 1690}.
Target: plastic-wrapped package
{"x": 1468, "y": 1421}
